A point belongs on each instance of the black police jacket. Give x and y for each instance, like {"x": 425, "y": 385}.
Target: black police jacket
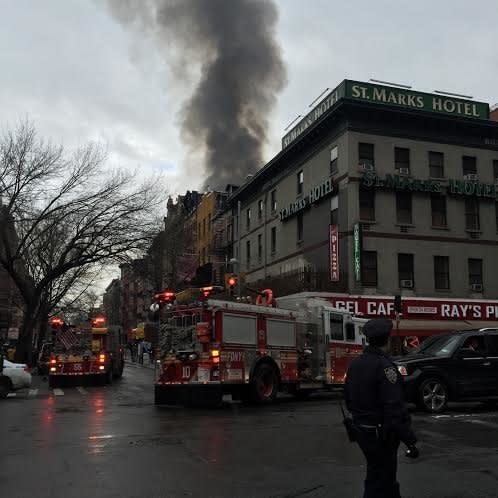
{"x": 374, "y": 394}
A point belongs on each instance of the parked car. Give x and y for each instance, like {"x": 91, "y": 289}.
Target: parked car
{"x": 454, "y": 367}
{"x": 14, "y": 376}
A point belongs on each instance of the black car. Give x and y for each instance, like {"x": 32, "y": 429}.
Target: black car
{"x": 456, "y": 366}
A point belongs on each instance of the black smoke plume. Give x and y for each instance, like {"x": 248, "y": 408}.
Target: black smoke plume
{"x": 233, "y": 44}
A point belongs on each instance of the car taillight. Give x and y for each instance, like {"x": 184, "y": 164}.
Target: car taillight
{"x": 26, "y": 369}
{"x": 53, "y": 361}
{"x": 102, "y": 358}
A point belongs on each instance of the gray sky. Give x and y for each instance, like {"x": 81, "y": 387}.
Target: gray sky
{"x": 70, "y": 67}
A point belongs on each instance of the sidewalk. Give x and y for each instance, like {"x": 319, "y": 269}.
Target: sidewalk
{"x": 146, "y": 364}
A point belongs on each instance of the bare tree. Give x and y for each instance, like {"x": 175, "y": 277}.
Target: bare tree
{"x": 62, "y": 214}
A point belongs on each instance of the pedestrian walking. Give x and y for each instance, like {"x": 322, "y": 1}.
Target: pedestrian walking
{"x": 374, "y": 396}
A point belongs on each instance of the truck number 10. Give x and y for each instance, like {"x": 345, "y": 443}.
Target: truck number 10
{"x": 186, "y": 372}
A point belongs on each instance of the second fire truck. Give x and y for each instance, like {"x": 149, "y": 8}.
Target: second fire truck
{"x": 86, "y": 353}
{"x": 252, "y": 351}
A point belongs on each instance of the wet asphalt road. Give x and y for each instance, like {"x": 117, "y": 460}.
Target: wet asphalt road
{"x": 112, "y": 441}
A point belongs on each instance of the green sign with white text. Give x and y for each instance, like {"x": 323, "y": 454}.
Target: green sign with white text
{"x": 420, "y": 101}
{"x": 390, "y": 96}
{"x": 454, "y": 187}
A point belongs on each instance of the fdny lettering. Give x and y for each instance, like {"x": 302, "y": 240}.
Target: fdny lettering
{"x": 234, "y": 356}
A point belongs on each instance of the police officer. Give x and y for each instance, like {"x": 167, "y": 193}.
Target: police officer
{"x": 374, "y": 396}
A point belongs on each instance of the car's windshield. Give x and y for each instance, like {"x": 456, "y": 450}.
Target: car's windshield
{"x": 443, "y": 346}
{"x": 428, "y": 342}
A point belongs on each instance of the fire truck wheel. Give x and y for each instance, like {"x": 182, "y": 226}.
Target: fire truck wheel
{"x": 109, "y": 375}
{"x": 264, "y": 384}
{"x": 5, "y": 386}
{"x": 119, "y": 373}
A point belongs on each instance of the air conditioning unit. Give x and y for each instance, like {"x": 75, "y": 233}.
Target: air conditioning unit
{"x": 404, "y": 171}
{"x": 476, "y": 287}
{"x": 406, "y": 284}
{"x": 366, "y": 167}
{"x": 471, "y": 177}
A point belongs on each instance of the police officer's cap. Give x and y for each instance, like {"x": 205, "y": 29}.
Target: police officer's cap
{"x": 379, "y": 327}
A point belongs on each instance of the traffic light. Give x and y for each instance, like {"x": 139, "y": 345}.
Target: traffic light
{"x": 397, "y": 304}
{"x": 231, "y": 280}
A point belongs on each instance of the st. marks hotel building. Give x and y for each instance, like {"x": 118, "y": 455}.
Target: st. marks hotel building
{"x": 384, "y": 190}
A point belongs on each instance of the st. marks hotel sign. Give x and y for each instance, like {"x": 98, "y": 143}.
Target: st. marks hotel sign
{"x": 387, "y": 96}
{"x": 454, "y": 187}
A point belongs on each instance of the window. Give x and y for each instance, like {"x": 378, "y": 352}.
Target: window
{"x": 475, "y": 271}
{"x": 300, "y": 182}
{"x": 209, "y": 221}
{"x": 248, "y": 218}
{"x": 492, "y": 340}
{"x": 350, "y": 335}
{"x": 260, "y": 247}
{"x": 274, "y": 240}
{"x": 273, "y": 199}
{"x": 441, "y": 272}
{"x": 471, "y": 213}
{"x": 199, "y": 232}
{"x": 248, "y": 253}
{"x": 300, "y": 227}
{"x": 405, "y": 269}
{"x": 438, "y": 210}
{"x": 333, "y": 160}
{"x": 369, "y": 269}
{"x": 404, "y": 207}
{"x": 204, "y": 227}
{"x": 260, "y": 209}
{"x": 495, "y": 170}
{"x": 367, "y": 205}
{"x": 366, "y": 154}
{"x": 334, "y": 210}
{"x": 336, "y": 332}
{"x": 469, "y": 165}
{"x": 402, "y": 160}
{"x": 436, "y": 164}
{"x": 229, "y": 232}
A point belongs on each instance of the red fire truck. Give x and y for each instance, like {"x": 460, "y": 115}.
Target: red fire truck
{"x": 80, "y": 354}
{"x": 254, "y": 351}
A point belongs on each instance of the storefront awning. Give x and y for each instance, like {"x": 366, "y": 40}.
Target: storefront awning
{"x": 430, "y": 327}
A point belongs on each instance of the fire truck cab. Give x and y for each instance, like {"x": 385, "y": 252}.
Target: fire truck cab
{"x": 254, "y": 351}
